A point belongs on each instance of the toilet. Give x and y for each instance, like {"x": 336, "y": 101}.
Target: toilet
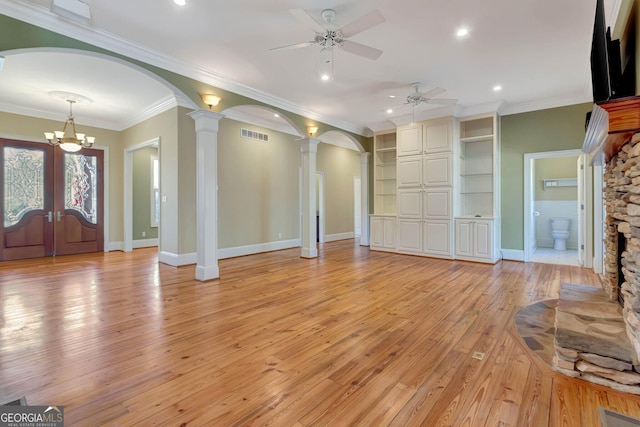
{"x": 560, "y": 233}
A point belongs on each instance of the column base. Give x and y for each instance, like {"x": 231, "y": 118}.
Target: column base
{"x": 207, "y": 273}
{"x": 309, "y": 253}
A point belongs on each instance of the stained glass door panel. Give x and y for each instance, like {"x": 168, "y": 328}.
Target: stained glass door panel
{"x": 78, "y": 207}
{"x": 26, "y": 191}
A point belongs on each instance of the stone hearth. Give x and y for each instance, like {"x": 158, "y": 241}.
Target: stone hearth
{"x": 591, "y": 341}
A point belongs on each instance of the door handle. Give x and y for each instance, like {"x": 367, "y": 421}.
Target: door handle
{"x": 50, "y": 216}
{"x": 59, "y": 216}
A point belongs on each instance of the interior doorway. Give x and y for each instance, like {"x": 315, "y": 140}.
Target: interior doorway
{"x": 557, "y": 211}
{"x": 142, "y": 195}
{"x": 52, "y": 200}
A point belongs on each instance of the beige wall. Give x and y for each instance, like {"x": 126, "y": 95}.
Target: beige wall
{"x": 258, "y": 186}
{"x": 339, "y": 166}
{"x": 142, "y": 171}
{"x": 31, "y": 129}
{"x": 187, "y": 197}
{"x": 554, "y": 168}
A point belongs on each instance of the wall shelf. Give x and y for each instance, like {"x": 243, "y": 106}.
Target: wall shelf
{"x": 560, "y": 182}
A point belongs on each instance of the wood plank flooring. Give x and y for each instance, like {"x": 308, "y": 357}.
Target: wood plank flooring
{"x": 351, "y": 338}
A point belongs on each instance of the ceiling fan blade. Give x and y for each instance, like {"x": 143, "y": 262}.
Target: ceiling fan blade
{"x": 294, "y": 46}
{"x": 308, "y": 20}
{"x": 365, "y": 22}
{"x": 361, "y": 50}
{"x": 441, "y": 101}
{"x": 433, "y": 92}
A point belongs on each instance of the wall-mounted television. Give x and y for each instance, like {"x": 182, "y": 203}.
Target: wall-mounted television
{"x": 609, "y": 79}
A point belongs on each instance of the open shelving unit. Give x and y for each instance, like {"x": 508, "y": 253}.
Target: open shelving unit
{"x": 477, "y": 174}
{"x": 385, "y": 174}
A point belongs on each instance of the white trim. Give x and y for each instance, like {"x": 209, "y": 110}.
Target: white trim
{"x": 177, "y": 260}
{"x": 128, "y": 189}
{"x": 512, "y": 254}
{"x": 338, "y": 236}
{"x": 257, "y": 248}
{"x": 44, "y": 18}
{"x": 144, "y": 243}
{"x": 320, "y": 207}
{"x": 527, "y": 211}
{"x": 106, "y": 196}
{"x": 113, "y": 246}
{"x": 598, "y": 226}
{"x": 544, "y": 104}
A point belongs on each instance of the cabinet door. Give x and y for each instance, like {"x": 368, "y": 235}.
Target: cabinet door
{"x": 437, "y": 170}
{"x": 376, "y": 231}
{"x": 409, "y": 235}
{"x": 437, "y": 203}
{"x": 483, "y": 245}
{"x": 410, "y": 203}
{"x": 409, "y": 141}
{"x": 409, "y": 172}
{"x": 389, "y": 233}
{"x": 464, "y": 238}
{"x": 438, "y": 137}
{"x": 437, "y": 238}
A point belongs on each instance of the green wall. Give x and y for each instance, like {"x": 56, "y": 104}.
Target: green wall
{"x": 554, "y": 168}
{"x": 553, "y": 129}
{"x": 141, "y": 160}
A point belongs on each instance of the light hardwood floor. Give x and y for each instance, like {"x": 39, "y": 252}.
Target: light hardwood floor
{"x": 351, "y": 338}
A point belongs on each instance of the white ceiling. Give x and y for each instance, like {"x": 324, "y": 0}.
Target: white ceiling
{"x": 538, "y": 50}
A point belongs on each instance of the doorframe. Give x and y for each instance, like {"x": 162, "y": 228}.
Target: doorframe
{"x": 320, "y": 195}
{"x": 128, "y": 190}
{"x": 588, "y": 228}
{"x": 357, "y": 189}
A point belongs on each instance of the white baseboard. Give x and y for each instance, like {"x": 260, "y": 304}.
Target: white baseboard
{"x": 258, "y": 248}
{"x": 339, "y": 236}
{"x": 145, "y": 243}
{"x": 177, "y": 260}
{"x": 113, "y": 246}
{"x": 513, "y": 254}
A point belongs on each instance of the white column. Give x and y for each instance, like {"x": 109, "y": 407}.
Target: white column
{"x": 207, "y": 193}
{"x": 364, "y": 197}
{"x": 309, "y": 148}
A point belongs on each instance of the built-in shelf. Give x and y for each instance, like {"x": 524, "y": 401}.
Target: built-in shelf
{"x": 477, "y": 138}
{"x": 385, "y": 173}
{"x": 386, "y": 150}
{"x": 560, "y": 182}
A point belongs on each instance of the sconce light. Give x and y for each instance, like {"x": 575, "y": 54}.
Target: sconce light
{"x": 312, "y": 130}
{"x": 210, "y": 99}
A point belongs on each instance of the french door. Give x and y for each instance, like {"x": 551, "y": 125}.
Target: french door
{"x": 52, "y": 201}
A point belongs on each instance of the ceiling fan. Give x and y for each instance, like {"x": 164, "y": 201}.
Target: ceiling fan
{"x": 328, "y": 35}
{"x": 416, "y": 98}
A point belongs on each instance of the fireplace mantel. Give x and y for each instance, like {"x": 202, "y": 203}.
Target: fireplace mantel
{"x": 611, "y": 126}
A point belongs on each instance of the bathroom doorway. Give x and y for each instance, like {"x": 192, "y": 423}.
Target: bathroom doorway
{"x": 557, "y": 188}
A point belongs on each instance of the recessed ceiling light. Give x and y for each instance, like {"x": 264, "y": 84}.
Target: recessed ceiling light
{"x": 389, "y": 111}
{"x": 325, "y": 77}
{"x": 276, "y": 115}
{"x": 180, "y": 2}
{"x": 462, "y": 32}
{"x": 392, "y": 96}
{"x": 497, "y": 88}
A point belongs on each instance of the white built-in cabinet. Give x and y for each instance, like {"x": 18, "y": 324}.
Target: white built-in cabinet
{"x": 477, "y": 224}
{"x": 425, "y": 178}
{"x": 437, "y": 189}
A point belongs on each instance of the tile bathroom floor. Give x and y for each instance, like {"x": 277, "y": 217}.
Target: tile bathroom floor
{"x": 551, "y": 256}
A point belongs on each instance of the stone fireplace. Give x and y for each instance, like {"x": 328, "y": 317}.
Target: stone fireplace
{"x": 598, "y": 333}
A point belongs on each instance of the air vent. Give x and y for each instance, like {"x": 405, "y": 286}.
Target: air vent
{"x": 258, "y": 136}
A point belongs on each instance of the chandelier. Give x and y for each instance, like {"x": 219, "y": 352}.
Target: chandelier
{"x": 68, "y": 139}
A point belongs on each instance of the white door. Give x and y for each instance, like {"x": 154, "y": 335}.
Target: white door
{"x": 437, "y": 137}
{"x": 437, "y": 238}
{"x": 409, "y": 235}
{"x": 409, "y": 141}
{"x": 410, "y": 203}
{"x": 437, "y": 203}
{"x": 409, "y": 172}
{"x": 389, "y": 233}
{"x": 377, "y": 231}
{"x": 436, "y": 170}
{"x": 581, "y": 212}
{"x": 464, "y": 238}
{"x": 482, "y": 244}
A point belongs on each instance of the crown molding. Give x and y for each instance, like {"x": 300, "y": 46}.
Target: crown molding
{"x": 161, "y": 106}
{"x": 44, "y": 18}
{"x": 544, "y": 104}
